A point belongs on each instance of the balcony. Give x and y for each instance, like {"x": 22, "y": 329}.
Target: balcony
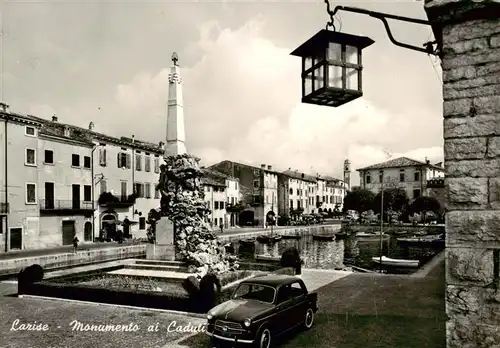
{"x": 4, "y": 208}
{"x": 65, "y": 207}
{"x": 110, "y": 201}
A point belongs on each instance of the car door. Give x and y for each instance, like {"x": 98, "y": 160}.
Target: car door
{"x": 282, "y": 319}
{"x": 298, "y": 304}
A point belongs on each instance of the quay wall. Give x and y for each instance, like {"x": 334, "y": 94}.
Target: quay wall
{"x": 283, "y": 231}
{"x": 399, "y": 229}
{"x": 83, "y": 257}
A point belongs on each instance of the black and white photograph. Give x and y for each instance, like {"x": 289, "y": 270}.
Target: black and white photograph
{"x": 266, "y": 173}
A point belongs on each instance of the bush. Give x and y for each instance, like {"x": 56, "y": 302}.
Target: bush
{"x": 210, "y": 288}
{"x": 192, "y": 286}
{"x": 290, "y": 258}
{"x": 29, "y": 275}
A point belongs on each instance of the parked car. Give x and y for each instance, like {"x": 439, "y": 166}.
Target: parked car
{"x": 260, "y": 309}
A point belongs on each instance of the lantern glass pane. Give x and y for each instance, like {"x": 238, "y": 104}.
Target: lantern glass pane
{"x": 319, "y": 78}
{"x": 334, "y": 76}
{"x": 352, "y": 79}
{"x": 308, "y": 84}
{"x": 308, "y": 63}
{"x": 334, "y": 51}
{"x": 351, "y": 55}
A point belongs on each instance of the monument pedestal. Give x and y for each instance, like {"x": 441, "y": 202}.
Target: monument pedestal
{"x": 164, "y": 248}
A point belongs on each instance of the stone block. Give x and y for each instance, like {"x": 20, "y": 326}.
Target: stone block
{"x": 463, "y": 72}
{"x": 463, "y": 46}
{"x": 472, "y": 317}
{"x": 472, "y": 88}
{"x": 467, "y": 193}
{"x": 470, "y": 58}
{"x": 481, "y": 125}
{"x": 495, "y": 41}
{"x": 474, "y": 227}
{"x": 160, "y": 252}
{"x": 473, "y": 168}
{"x": 457, "y": 107}
{"x": 470, "y": 30}
{"x": 493, "y": 147}
{"x": 487, "y": 69}
{"x": 487, "y": 104}
{"x": 164, "y": 231}
{"x": 469, "y": 265}
{"x": 494, "y": 193}
{"x": 465, "y": 148}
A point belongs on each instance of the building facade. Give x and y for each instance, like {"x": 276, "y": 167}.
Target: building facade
{"x": 258, "y": 188}
{"x": 406, "y": 173}
{"x": 59, "y": 181}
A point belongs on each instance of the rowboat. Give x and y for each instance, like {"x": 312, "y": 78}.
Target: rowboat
{"x": 368, "y": 237}
{"x": 267, "y": 258}
{"x": 423, "y": 241}
{"x": 386, "y": 261}
{"x": 323, "y": 237}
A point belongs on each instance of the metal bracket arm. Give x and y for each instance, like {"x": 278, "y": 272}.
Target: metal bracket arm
{"x": 427, "y": 47}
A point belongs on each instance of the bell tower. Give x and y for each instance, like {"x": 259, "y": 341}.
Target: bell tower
{"x": 347, "y": 173}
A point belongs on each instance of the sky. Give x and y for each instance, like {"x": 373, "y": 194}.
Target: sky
{"x": 107, "y": 62}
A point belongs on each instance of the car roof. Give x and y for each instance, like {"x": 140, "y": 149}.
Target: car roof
{"x": 272, "y": 280}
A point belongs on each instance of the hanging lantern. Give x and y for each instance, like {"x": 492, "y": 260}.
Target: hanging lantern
{"x": 331, "y": 67}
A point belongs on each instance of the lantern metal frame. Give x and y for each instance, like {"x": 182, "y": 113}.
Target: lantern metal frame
{"x": 317, "y": 49}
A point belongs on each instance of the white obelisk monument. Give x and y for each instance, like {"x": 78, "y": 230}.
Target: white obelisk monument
{"x": 176, "y": 135}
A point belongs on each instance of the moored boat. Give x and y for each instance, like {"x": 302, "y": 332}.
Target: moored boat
{"x": 387, "y": 261}
{"x": 247, "y": 241}
{"x": 368, "y": 237}
{"x": 263, "y": 238}
{"x": 267, "y": 258}
{"x": 324, "y": 237}
{"x": 340, "y": 235}
{"x": 423, "y": 241}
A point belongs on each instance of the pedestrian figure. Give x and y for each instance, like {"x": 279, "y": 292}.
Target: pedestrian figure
{"x": 221, "y": 228}
{"x": 75, "y": 244}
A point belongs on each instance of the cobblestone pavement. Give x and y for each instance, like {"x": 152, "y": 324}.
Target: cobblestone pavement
{"x": 59, "y": 315}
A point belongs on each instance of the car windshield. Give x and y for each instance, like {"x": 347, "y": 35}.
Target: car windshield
{"x": 257, "y": 292}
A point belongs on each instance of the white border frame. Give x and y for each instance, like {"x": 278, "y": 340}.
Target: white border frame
{"x": 26, "y": 193}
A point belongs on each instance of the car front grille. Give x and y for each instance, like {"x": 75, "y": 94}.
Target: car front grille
{"x": 228, "y": 327}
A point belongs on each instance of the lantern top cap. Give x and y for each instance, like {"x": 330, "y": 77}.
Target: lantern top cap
{"x": 323, "y": 37}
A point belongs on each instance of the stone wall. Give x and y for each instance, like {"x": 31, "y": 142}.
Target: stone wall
{"x": 471, "y": 92}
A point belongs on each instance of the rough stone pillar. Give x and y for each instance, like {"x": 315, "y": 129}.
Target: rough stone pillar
{"x": 470, "y": 33}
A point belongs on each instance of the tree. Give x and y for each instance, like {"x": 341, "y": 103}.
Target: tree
{"x": 424, "y": 205}
{"x": 359, "y": 200}
{"x": 395, "y": 199}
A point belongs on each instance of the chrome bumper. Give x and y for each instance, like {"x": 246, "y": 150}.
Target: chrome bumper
{"x": 234, "y": 340}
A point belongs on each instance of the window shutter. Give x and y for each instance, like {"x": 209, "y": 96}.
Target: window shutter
{"x": 128, "y": 160}
{"x": 104, "y": 155}
{"x": 119, "y": 160}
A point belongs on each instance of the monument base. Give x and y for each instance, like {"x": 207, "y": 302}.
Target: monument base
{"x": 160, "y": 252}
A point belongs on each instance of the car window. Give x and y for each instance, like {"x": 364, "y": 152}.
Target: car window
{"x": 297, "y": 289}
{"x": 255, "y": 291}
{"x": 284, "y": 293}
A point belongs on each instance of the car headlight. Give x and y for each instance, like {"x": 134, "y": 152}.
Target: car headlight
{"x": 247, "y": 322}
{"x": 209, "y": 316}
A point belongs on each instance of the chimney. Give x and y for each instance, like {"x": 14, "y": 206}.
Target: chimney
{"x": 263, "y": 166}
{"x": 302, "y": 175}
{"x": 269, "y": 167}
{"x": 54, "y": 118}
{"x": 5, "y": 107}
{"x": 91, "y": 125}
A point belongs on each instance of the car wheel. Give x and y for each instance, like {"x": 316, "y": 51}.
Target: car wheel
{"x": 309, "y": 318}
{"x": 264, "y": 338}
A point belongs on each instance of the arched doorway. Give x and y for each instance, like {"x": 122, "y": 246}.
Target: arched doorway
{"x": 320, "y": 210}
{"x": 108, "y": 227}
{"x": 87, "y": 231}
{"x": 247, "y": 218}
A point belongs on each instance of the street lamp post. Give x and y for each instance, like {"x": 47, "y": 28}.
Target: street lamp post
{"x": 381, "y": 215}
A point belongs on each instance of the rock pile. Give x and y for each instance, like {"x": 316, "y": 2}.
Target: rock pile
{"x": 182, "y": 202}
